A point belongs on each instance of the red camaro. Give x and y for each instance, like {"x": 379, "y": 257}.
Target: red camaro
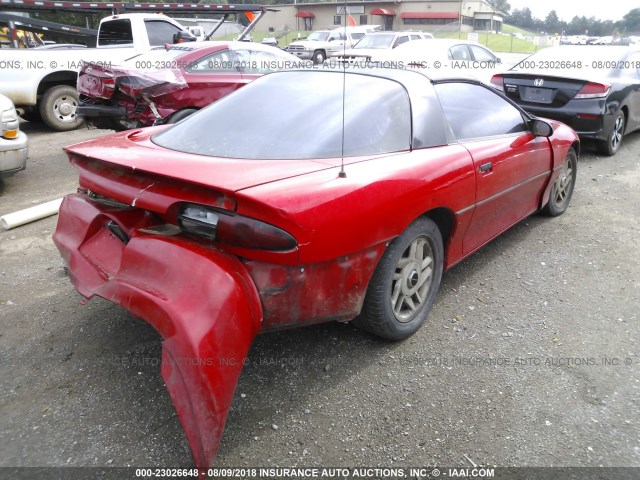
{"x": 169, "y": 83}
{"x": 343, "y": 196}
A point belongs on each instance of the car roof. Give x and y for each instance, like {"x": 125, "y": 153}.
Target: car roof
{"x": 386, "y": 32}
{"x": 408, "y": 76}
{"x": 448, "y": 42}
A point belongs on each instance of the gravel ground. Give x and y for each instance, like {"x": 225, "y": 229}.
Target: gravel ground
{"x": 81, "y": 383}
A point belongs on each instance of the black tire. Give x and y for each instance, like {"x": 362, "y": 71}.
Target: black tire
{"x": 319, "y": 57}
{"x": 58, "y": 108}
{"x": 611, "y": 145}
{"x": 403, "y": 273}
{"x": 562, "y": 188}
{"x": 32, "y": 115}
{"x": 177, "y": 116}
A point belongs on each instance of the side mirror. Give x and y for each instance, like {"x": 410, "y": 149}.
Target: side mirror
{"x": 498, "y": 60}
{"x": 182, "y": 37}
{"x": 540, "y": 128}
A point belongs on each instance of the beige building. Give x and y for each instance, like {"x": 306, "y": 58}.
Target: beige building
{"x": 430, "y": 15}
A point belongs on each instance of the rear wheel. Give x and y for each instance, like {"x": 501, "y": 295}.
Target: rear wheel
{"x": 611, "y": 145}
{"x": 58, "y": 108}
{"x": 177, "y": 116}
{"x": 405, "y": 283}
{"x": 562, "y": 189}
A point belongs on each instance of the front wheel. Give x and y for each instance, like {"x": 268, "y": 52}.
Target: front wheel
{"x": 562, "y": 188}
{"x": 405, "y": 283}
{"x": 611, "y": 145}
{"x": 58, "y": 108}
{"x": 319, "y": 57}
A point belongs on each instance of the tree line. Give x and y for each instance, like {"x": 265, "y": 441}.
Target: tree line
{"x": 579, "y": 25}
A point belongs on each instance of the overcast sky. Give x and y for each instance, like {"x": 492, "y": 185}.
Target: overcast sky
{"x": 567, "y": 9}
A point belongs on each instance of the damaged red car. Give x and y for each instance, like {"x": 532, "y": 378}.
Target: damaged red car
{"x": 343, "y": 205}
{"x": 170, "y": 83}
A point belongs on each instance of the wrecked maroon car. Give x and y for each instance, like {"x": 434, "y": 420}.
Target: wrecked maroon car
{"x": 170, "y": 83}
{"x": 240, "y": 220}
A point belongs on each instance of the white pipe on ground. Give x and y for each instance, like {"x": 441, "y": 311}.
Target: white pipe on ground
{"x": 28, "y": 215}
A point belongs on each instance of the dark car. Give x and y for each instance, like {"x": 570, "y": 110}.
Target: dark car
{"x": 169, "y": 83}
{"x": 593, "y": 89}
{"x": 275, "y": 208}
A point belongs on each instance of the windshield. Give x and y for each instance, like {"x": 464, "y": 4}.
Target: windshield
{"x": 375, "y": 41}
{"x": 277, "y": 117}
{"x": 318, "y": 36}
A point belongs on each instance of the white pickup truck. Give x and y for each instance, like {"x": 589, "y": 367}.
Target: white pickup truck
{"x": 321, "y": 44}
{"x": 42, "y": 83}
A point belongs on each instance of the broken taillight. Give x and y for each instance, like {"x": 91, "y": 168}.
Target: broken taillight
{"x": 235, "y": 230}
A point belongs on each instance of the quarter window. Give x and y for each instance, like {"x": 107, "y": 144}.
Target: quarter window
{"x": 473, "y": 111}
{"x": 219, "y": 62}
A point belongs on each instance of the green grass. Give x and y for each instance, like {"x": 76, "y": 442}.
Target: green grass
{"x": 497, "y": 43}
{"x": 509, "y": 29}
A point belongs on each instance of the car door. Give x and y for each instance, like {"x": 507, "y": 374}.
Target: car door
{"x": 210, "y": 78}
{"x": 512, "y": 166}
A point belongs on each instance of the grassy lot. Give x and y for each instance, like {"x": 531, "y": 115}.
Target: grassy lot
{"x": 509, "y": 29}
{"x": 497, "y": 43}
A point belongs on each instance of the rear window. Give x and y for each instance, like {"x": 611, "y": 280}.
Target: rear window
{"x": 280, "y": 117}
{"x": 115, "y": 32}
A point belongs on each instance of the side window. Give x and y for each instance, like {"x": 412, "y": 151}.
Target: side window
{"x": 218, "y": 62}
{"x": 401, "y": 40}
{"x": 473, "y": 111}
{"x": 482, "y": 55}
{"x": 415, "y": 37}
{"x": 459, "y": 52}
{"x": 160, "y": 32}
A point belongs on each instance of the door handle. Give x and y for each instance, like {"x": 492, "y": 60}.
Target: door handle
{"x": 486, "y": 167}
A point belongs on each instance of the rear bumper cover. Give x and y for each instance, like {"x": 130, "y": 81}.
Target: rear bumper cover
{"x": 201, "y": 301}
